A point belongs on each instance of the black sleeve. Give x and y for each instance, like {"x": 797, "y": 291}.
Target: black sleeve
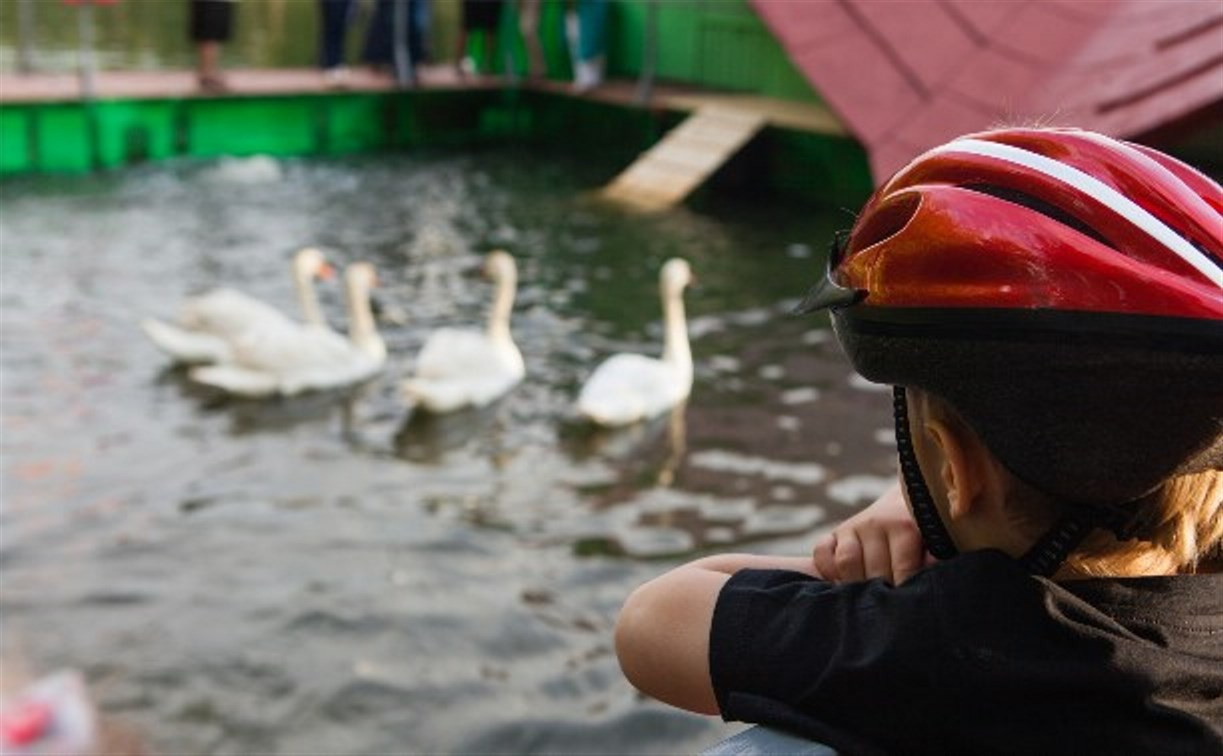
{"x": 970, "y": 655}
{"x": 818, "y": 658}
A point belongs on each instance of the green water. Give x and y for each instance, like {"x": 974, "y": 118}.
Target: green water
{"x": 332, "y": 573}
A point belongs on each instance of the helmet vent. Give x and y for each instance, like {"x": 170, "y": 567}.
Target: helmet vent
{"x": 886, "y": 221}
{"x": 1038, "y": 205}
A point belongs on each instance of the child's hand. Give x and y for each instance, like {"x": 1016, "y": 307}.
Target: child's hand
{"x": 880, "y": 541}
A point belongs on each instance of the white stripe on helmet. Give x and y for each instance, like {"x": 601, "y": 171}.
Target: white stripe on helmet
{"x": 1084, "y": 182}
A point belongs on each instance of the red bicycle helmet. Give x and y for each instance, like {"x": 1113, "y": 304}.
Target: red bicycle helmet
{"x": 1064, "y": 291}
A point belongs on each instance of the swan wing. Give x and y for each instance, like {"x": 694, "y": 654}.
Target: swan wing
{"x": 236, "y": 380}
{"x": 454, "y": 353}
{"x": 304, "y": 358}
{"x": 445, "y": 395}
{"x": 191, "y": 347}
{"x": 228, "y": 313}
{"x": 282, "y": 349}
{"x": 436, "y": 395}
{"x": 289, "y": 361}
{"x": 460, "y": 367}
{"x": 629, "y": 387}
{"x": 361, "y": 367}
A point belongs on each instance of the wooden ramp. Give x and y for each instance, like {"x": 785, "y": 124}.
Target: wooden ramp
{"x": 686, "y": 156}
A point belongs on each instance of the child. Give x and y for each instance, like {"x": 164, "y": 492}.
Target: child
{"x": 1049, "y": 305}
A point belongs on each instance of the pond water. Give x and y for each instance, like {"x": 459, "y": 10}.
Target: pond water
{"x": 330, "y": 574}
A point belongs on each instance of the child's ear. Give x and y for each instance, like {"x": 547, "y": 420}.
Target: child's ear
{"x": 956, "y": 471}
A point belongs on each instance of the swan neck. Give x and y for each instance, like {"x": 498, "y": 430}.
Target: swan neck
{"x": 362, "y": 331}
{"x": 307, "y": 296}
{"x": 676, "y": 350}
{"x": 503, "y": 305}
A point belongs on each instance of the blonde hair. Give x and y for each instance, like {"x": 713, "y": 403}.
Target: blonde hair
{"x": 1183, "y": 522}
{"x": 1184, "y": 528}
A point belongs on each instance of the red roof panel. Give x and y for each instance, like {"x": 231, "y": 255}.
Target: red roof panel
{"x": 802, "y": 31}
{"x": 1173, "y": 103}
{"x": 984, "y": 19}
{"x": 884, "y": 92}
{"x": 948, "y": 119}
{"x": 905, "y": 76}
{"x": 1042, "y": 35}
{"x": 901, "y": 26}
{"x": 997, "y": 79}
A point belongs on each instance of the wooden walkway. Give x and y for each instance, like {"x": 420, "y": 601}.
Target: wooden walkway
{"x": 242, "y": 82}
{"x": 17, "y": 89}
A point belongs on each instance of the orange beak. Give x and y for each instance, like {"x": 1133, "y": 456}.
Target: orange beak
{"x": 326, "y": 272}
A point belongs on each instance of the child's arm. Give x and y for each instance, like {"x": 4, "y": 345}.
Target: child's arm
{"x": 880, "y": 541}
{"x": 662, "y": 634}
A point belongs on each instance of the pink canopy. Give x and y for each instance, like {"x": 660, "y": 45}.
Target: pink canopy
{"x": 906, "y": 75}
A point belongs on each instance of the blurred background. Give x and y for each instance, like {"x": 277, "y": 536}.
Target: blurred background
{"x": 337, "y": 572}
{"x": 152, "y": 34}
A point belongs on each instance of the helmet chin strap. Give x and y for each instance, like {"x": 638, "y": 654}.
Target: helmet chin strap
{"x": 933, "y": 531}
{"x": 1051, "y": 549}
{"x": 1075, "y": 524}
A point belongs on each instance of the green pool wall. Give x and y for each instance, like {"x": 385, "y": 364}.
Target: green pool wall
{"x": 110, "y": 134}
{"x": 694, "y": 41}
{"x": 720, "y": 44}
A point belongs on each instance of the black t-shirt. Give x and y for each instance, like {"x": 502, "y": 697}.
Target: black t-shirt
{"x": 973, "y": 655}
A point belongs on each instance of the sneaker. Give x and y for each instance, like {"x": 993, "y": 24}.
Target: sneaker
{"x": 213, "y": 84}
{"x": 336, "y": 78}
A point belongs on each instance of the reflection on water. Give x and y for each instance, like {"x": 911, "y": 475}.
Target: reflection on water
{"x": 428, "y": 437}
{"x": 331, "y": 573}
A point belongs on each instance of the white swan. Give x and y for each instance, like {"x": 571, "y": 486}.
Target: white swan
{"x": 289, "y": 358}
{"x": 631, "y": 387}
{"x": 461, "y": 367}
{"x": 209, "y": 324}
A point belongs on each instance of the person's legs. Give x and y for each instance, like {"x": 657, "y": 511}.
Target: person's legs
{"x": 460, "y": 54}
{"x": 211, "y": 25}
{"x": 483, "y": 18}
{"x": 379, "y": 50}
{"x": 592, "y": 16}
{"x": 334, "y": 15}
{"x": 489, "y": 43}
{"x": 418, "y": 31}
{"x": 208, "y": 57}
{"x": 528, "y": 26}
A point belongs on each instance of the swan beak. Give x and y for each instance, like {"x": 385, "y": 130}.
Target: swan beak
{"x": 326, "y": 271}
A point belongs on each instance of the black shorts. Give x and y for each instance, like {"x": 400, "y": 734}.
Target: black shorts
{"x": 481, "y": 14}
{"x": 211, "y": 20}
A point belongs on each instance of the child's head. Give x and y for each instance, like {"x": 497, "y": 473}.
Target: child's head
{"x": 1062, "y": 292}
{"x": 984, "y": 504}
